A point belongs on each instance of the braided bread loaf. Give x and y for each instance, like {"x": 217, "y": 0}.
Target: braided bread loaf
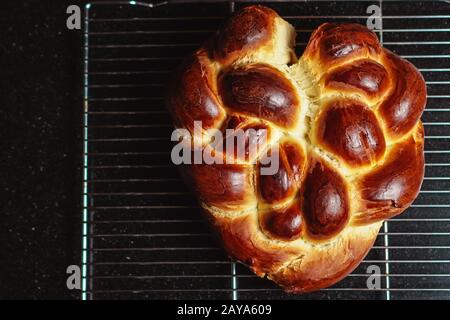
{"x": 346, "y": 118}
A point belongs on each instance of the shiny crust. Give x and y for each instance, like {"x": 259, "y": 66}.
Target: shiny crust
{"x": 389, "y": 189}
{"x": 350, "y": 130}
{"x": 325, "y": 200}
{"x": 243, "y": 240}
{"x": 323, "y": 266}
{"x": 282, "y": 185}
{"x": 297, "y": 266}
{"x": 251, "y": 90}
{"x": 364, "y": 76}
{"x": 285, "y": 224}
{"x": 244, "y": 32}
{"x": 226, "y": 187}
{"x": 332, "y": 44}
{"x": 279, "y": 186}
{"x": 193, "y": 94}
{"x": 344, "y": 122}
{"x": 406, "y": 102}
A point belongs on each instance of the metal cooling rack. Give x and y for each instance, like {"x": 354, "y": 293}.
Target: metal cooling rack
{"x": 143, "y": 235}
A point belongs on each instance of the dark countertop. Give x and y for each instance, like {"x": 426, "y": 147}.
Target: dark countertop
{"x": 41, "y": 101}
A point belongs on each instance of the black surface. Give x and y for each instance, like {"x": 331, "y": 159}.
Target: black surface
{"x": 40, "y": 98}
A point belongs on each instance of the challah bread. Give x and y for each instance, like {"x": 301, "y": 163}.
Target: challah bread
{"x": 345, "y": 118}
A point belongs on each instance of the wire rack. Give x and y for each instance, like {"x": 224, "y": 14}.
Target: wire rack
{"x": 143, "y": 234}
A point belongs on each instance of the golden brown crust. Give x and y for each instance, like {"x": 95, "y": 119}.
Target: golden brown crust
{"x": 286, "y": 223}
{"x": 389, "y": 189}
{"x": 363, "y": 76}
{"x": 295, "y": 265}
{"x": 325, "y": 200}
{"x": 350, "y": 131}
{"x": 193, "y": 94}
{"x": 247, "y": 30}
{"x": 285, "y": 182}
{"x": 225, "y": 186}
{"x": 332, "y": 44}
{"x": 344, "y": 123}
{"x": 251, "y": 90}
{"x": 321, "y": 267}
{"x": 405, "y": 105}
{"x": 243, "y": 240}
{"x": 279, "y": 186}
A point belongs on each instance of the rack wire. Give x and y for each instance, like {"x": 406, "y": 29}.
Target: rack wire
{"x": 143, "y": 234}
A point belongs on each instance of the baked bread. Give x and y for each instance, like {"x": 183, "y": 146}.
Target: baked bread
{"x": 346, "y": 120}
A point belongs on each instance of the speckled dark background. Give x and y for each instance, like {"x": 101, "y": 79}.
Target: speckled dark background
{"x": 40, "y": 99}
